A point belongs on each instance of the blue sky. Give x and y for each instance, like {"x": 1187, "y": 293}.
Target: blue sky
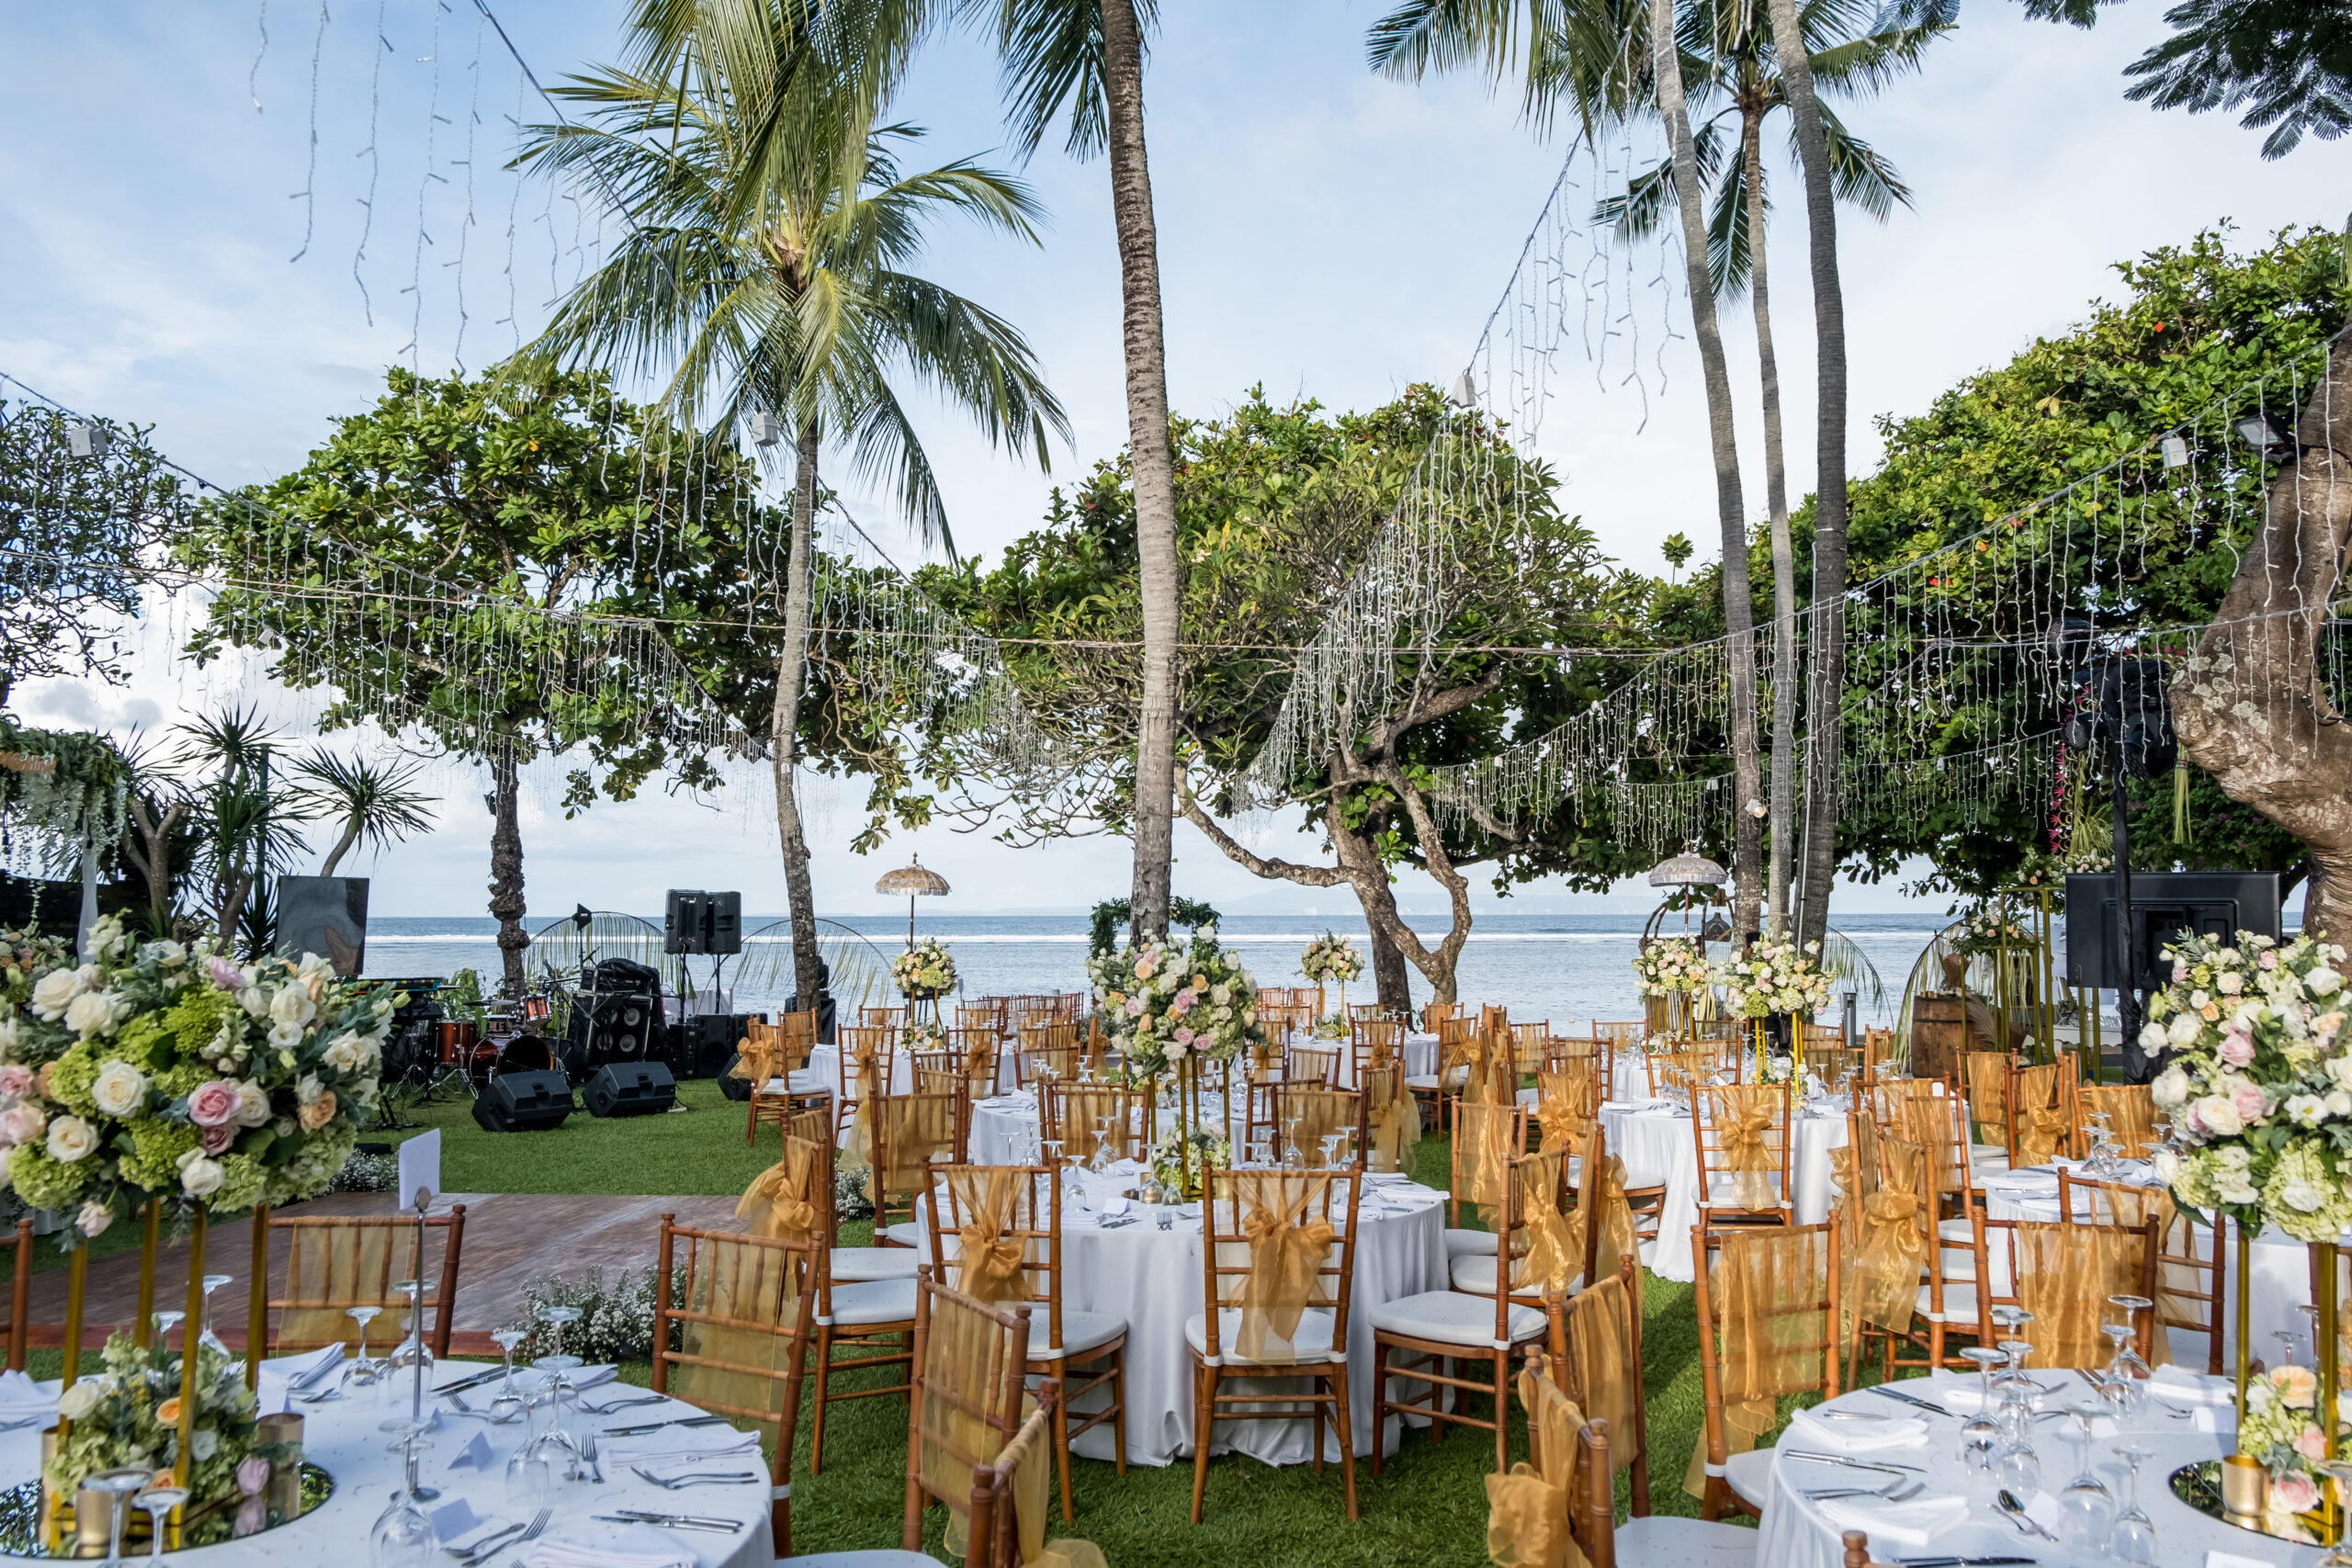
{"x": 1322, "y": 231}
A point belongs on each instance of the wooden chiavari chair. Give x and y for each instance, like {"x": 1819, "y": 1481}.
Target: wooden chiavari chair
{"x": 1311, "y": 1064}
{"x": 745, "y": 1307}
{"x": 2062, "y": 1273}
{"x": 891, "y": 1019}
{"x": 1305, "y": 1113}
{"x": 20, "y": 1285}
{"x": 1425, "y": 1338}
{"x": 1370, "y": 1038}
{"x": 965, "y": 1389}
{"x": 336, "y": 1262}
{"x": 1365, "y": 1012}
{"x": 1036, "y": 1066}
{"x": 1307, "y": 1222}
{"x": 2041, "y": 1104}
{"x": 912, "y": 1133}
{"x": 1083, "y": 1115}
{"x": 1621, "y": 1034}
{"x": 978, "y": 1058}
{"x": 1645, "y": 1540}
{"x": 1435, "y": 1014}
{"x": 1392, "y": 1125}
{"x": 1768, "y": 1311}
{"x": 1485, "y": 1139}
{"x": 775, "y": 1058}
{"x": 2131, "y": 1112}
{"x": 868, "y": 1065}
{"x": 985, "y": 1013}
{"x": 2192, "y": 1263}
{"x": 1530, "y": 1051}
{"x": 1984, "y": 1085}
{"x": 1744, "y": 1154}
{"x": 1673, "y": 1073}
{"x": 1006, "y": 1221}
{"x": 1001, "y": 1532}
{"x": 1595, "y": 1341}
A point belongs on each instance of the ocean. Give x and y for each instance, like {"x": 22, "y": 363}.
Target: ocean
{"x": 1567, "y": 969}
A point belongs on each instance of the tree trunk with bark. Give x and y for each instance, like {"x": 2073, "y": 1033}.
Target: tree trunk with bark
{"x": 1747, "y": 880}
{"x": 1784, "y": 560}
{"x": 799, "y": 897}
{"x": 1392, "y": 984}
{"x": 1825, "y": 690}
{"x": 1153, "y": 465}
{"x": 147, "y": 844}
{"x": 506, "y": 867}
{"x": 2250, "y": 704}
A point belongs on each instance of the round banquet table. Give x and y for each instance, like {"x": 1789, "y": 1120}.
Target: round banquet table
{"x": 1797, "y": 1532}
{"x": 343, "y": 1438}
{"x": 1660, "y": 1148}
{"x": 1152, "y": 1277}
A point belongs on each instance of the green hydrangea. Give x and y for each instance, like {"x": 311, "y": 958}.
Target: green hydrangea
{"x": 184, "y": 1080}
{"x": 45, "y": 1182}
{"x": 153, "y": 1163}
{"x": 69, "y": 1077}
{"x": 242, "y": 1183}
{"x": 144, "y": 1041}
{"x": 2302, "y": 1197}
{"x": 194, "y": 1020}
{"x": 312, "y": 1171}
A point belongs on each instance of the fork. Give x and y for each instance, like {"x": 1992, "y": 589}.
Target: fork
{"x": 530, "y": 1532}
{"x": 588, "y": 1452}
{"x": 626, "y": 1404}
{"x": 699, "y": 1479}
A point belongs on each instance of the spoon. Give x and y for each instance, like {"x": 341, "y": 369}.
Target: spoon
{"x": 2006, "y": 1501}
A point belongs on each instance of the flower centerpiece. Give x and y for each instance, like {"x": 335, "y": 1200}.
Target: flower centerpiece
{"x": 1160, "y": 1004}
{"x": 1333, "y": 957}
{"x": 1987, "y": 930}
{"x": 924, "y": 1034}
{"x": 157, "y": 1070}
{"x": 1182, "y": 1159}
{"x": 2281, "y": 1432}
{"x": 925, "y": 970}
{"x": 128, "y": 1416}
{"x": 1671, "y": 967}
{"x": 1775, "y": 976}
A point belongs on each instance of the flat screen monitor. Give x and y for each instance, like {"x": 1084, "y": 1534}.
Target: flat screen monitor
{"x": 2163, "y": 903}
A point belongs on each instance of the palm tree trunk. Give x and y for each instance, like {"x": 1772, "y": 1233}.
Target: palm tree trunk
{"x": 1739, "y": 621}
{"x": 1784, "y": 562}
{"x": 1823, "y": 733}
{"x": 1154, "y": 482}
{"x": 799, "y": 898}
{"x": 506, "y": 866}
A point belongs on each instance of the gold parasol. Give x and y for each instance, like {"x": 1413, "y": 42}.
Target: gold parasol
{"x": 915, "y": 882}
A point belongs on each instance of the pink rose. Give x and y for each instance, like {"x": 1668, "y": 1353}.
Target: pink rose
{"x": 219, "y": 1138}
{"x": 2269, "y": 961}
{"x": 252, "y": 1474}
{"x": 1184, "y": 1002}
{"x": 2250, "y": 1101}
{"x": 2179, "y": 972}
{"x": 23, "y": 1123}
{"x": 2294, "y": 1493}
{"x": 1183, "y": 1037}
{"x": 2311, "y": 1444}
{"x": 253, "y": 1518}
{"x": 213, "y": 1104}
{"x": 15, "y": 1081}
{"x": 225, "y": 974}
{"x": 1135, "y": 1007}
{"x": 2237, "y": 1050}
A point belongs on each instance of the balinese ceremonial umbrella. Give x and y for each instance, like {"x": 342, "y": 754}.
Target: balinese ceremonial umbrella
{"x": 915, "y": 883}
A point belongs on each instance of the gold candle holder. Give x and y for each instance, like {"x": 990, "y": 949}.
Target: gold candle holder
{"x": 2243, "y": 1486}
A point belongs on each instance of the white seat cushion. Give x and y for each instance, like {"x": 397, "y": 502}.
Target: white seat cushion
{"x": 891, "y": 1559}
{"x": 1425, "y": 1082}
{"x": 907, "y": 1234}
{"x": 1081, "y": 1331}
{"x": 1455, "y": 1319}
{"x": 809, "y": 1081}
{"x": 1312, "y": 1342}
{"x": 1662, "y": 1541}
{"x": 1958, "y": 1246}
{"x": 1959, "y": 1302}
{"x": 1723, "y": 1193}
{"x": 1750, "y": 1475}
{"x": 872, "y": 1301}
{"x": 850, "y": 1264}
{"x": 1474, "y": 1272}
{"x": 1459, "y": 1241}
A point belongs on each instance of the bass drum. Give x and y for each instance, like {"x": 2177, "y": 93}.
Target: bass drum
{"x": 524, "y": 1053}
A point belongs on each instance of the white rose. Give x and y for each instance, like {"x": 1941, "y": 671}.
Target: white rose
{"x": 286, "y": 1036}
{"x": 2228, "y": 983}
{"x": 252, "y": 1105}
{"x": 349, "y": 1054}
{"x": 255, "y": 1004}
{"x": 2322, "y": 982}
{"x": 2339, "y": 1069}
{"x": 90, "y": 1013}
{"x": 2167, "y": 1163}
{"x": 2309, "y": 1110}
{"x": 307, "y": 1089}
{"x": 94, "y": 1219}
{"x": 292, "y": 1005}
{"x": 76, "y": 1402}
{"x": 199, "y": 1177}
{"x": 2153, "y": 1036}
{"x": 70, "y": 1139}
{"x": 2171, "y": 1088}
{"x": 53, "y": 992}
{"x": 2220, "y": 1117}
{"x": 119, "y": 1088}
{"x": 204, "y": 1444}
{"x": 2184, "y": 1028}
{"x": 2339, "y": 1104}
{"x": 169, "y": 955}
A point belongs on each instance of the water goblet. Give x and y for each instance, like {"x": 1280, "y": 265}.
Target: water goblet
{"x": 2288, "y": 1342}
{"x": 2128, "y": 1361}
{"x": 157, "y": 1502}
{"x": 409, "y": 1440}
{"x": 164, "y": 1323}
{"x": 205, "y": 1336}
{"x": 508, "y": 1406}
{"x": 117, "y": 1485}
{"x": 413, "y": 1358}
{"x": 530, "y": 1480}
{"x": 555, "y": 1317}
{"x": 363, "y": 1378}
{"x": 2132, "y": 1538}
{"x": 402, "y": 1537}
{"x": 2085, "y": 1507}
{"x": 1980, "y": 1433}
{"x": 1332, "y": 1149}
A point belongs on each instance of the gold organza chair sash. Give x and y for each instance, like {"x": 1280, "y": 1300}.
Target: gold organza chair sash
{"x": 2130, "y": 1111}
{"x": 1770, "y": 1286}
{"x": 2064, "y": 1275}
{"x": 1395, "y": 1120}
{"x": 1286, "y": 1253}
{"x": 2043, "y": 1126}
{"x": 1746, "y": 1116}
{"x": 741, "y": 1302}
{"x": 778, "y": 1201}
{"x": 1486, "y": 1132}
{"x": 1553, "y": 1255}
{"x": 1891, "y": 1240}
{"x": 1527, "y": 1511}
{"x": 915, "y": 1129}
{"x": 1604, "y": 1368}
{"x": 967, "y": 1376}
{"x": 1561, "y": 1116}
{"x": 339, "y": 1266}
{"x": 865, "y": 1069}
{"x": 993, "y": 1253}
{"x": 1986, "y": 1074}
{"x": 1316, "y": 1113}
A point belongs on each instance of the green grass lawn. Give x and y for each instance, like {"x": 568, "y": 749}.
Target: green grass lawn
{"x": 1429, "y": 1507}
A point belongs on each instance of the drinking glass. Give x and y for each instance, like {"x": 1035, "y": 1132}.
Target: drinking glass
{"x": 363, "y": 1378}
{"x": 530, "y": 1480}
{"x": 1331, "y": 1150}
{"x": 205, "y": 1336}
{"x": 1293, "y": 1157}
{"x": 164, "y": 1323}
{"x": 2085, "y": 1507}
{"x": 555, "y": 1317}
{"x": 411, "y": 1362}
{"x": 2123, "y": 1388}
{"x": 1261, "y": 1151}
{"x": 2134, "y": 1539}
{"x": 507, "y": 1408}
{"x": 2127, "y": 1362}
{"x": 409, "y": 1440}
{"x": 402, "y": 1537}
{"x": 2015, "y": 1464}
{"x": 1980, "y": 1433}
{"x": 159, "y": 1501}
{"x": 117, "y": 1484}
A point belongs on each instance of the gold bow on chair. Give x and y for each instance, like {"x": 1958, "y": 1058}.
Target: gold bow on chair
{"x": 1563, "y": 1125}
{"x": 1285, "y": 1272}
{"x": 1894, "y": 1248}
{"x": 858, "y": 1150}
{"x": 1554, "y": 1256}
{"x": 990, "y": 1264}
{"x": 1744, "y": 1149}
{"x": 2046, "y": 1127}
{"x": 777, "y": 1202}
{"x": 1527, "y": 1511}
{"x": 980, "y": 1068}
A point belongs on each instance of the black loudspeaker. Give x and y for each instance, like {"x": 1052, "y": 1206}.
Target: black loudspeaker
{"x": 634, "y": 1089}
{"x": 524, "y": 1103}
{"x": 711, "y": 1039}
{"x": 730, "y": 1085}
{"x": 696, "y": 922}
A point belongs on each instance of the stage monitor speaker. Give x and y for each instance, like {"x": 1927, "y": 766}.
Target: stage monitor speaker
{"x": 712, "y": 1040}
{"x": 2217, "y": 904}
{"x": 524, "y": 1103}
{"x": 618, "y": 1027}
{"x": 730, "y": 1085}
{"x": 696, "y": 922}
{"x": 634, "y": 1089}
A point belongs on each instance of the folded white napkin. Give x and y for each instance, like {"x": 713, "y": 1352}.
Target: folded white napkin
{"x": 308, "y": 1369}
{"x": 20, "y": 1396}
{"x": 1914, "y": 1523}
{"x": 1860, "y": 1434}
{"x": 583, "y": 1378}
{"x": 2182, "y": 1386}
{"x": 678, "y": 1443}
{"x": 559, "y": 1552}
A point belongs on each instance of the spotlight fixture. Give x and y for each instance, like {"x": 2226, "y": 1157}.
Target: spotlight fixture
{"x": 2175, "y": 450}
{"x": 87, "y": 440}
{"x": 581, "y": 919}
{"x": 2267, "y": 433}
{"x": 766, "y": 429}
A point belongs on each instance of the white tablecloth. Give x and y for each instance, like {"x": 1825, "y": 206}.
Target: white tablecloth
{"x": 1152, "y": 1277}
{"x": 343, "y": 1438}
{"x": 1658, "y": 1146}
{"x": 1794, "y": 1533}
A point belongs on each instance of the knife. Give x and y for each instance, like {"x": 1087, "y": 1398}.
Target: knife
{"x": 1963, "y": 1561}
{"x": 1881, "y": 1390}
{"x": 656, "y": 1425}
{"x": 674, "y": 1522}
{"x": 1847, "y": 1462}
{"x": 474, "y": 1381}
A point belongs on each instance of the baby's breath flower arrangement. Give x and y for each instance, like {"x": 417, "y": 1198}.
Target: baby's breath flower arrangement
{"x": 2259, "y": 1085}
{"x": 1160, "y": 1003}
{"x": 158, "y": 1070}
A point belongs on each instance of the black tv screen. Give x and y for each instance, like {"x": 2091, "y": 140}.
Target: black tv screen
{"x": 2163, "y": 903}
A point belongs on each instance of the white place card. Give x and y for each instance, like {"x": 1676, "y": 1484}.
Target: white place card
{"x": 420, "y": 1166}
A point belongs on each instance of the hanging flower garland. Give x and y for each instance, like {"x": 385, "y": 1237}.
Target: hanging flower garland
{"x": 1775, "y": 977}
{"x": 63, "y": 786}
{"x": 1985, "y": 930}
{"x": 1671, "y": 967}
{"x": 925, "y": 970}
{"x": 1160, "y": 1004}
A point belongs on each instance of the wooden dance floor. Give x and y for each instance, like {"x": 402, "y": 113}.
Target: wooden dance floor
{"x": 510, "y": 1239}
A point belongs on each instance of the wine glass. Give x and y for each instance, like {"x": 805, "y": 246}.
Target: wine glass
{"x": 117, "y": 1484}
{"x": 205, "y": 1336}
{"x": 2127, "y": 1362}
{"x": 1331, "y": 1150}
{"x": 402, "y": 1537}
{"x": 363, "y": 1376}
{"x": 508, "y": 1406}
{"x": 1980, "y": 1433}
{"x": 530, "y": 1480}
{"x": 158, "y": 1501}
{"x": 164, "y": 1323}
{"x": 409, "y": 1435}
{"x": 2134, "y": 1537}
{"x": 555, "y": 1317}
{"x": 2085, "y": 1507}
{"x": 1293, "y": 1157}
{"x": 413, "y": 1356}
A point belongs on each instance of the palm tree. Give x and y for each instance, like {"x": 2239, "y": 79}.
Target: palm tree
{"x": 1743, "y": 71}
{"x": 764, "y": 272}
{"x": 1589, "y": 57}
{"x": 377, "y": 806}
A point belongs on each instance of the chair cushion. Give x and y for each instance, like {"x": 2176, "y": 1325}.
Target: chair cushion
{"x": 868, "y": 1302}
{"x": 1081, "y": 1331}
{"x": 851, "y": 1264}
{"x": 1750, "y": 1475}
{"x": 1959, "y": 1302}
{"x": 1474, "y": 1272}
{"x": 1454, "y": 1318}
{"x": 908, "y": 1234}
{"x": 1425, "y": 1082}
{"x": 1957, "y": 1239}
{"x": 1662, "y": 1541}
{"x": 1311, "y": 1343}
{"x": 891, "y": 1559}
{"x": 1723, "y": 1193}
{"x": 1458, "y": 1242}
{"x": 809, "y": 1081}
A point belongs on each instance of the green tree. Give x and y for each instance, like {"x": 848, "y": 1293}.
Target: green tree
{"x": 766, "y": 271}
